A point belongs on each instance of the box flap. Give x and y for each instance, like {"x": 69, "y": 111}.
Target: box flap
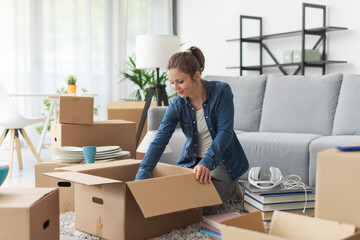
{"x": 98, "y": 165}
{"x": 157, "y": 196}
{"x": 247, "y": 226}
{"x": 251, "y": 221}
{"x": 82, "y": 178}
{"x": 295, "y": 226}
{"x": 22, "y": 197}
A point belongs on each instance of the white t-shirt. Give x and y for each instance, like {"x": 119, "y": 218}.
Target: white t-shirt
{"x": 204, "y": 137}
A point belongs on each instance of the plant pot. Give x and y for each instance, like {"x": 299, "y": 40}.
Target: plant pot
{"x": 71, "y": 88}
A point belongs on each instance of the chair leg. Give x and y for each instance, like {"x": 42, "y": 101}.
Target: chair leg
{"x": 18, "y": 149}
{"x": 11, "y": 151}
{"x": 31, "y": 146}
{"x": 3, "y": 135}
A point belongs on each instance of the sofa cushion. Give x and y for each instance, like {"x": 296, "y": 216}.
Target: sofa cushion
{"x": 324, "y": 143}
{"x": 347, "y": 114}
{"x": 287, "y": 151}
{"x": 248, "y": 94}
{"x": 300, "y": 104}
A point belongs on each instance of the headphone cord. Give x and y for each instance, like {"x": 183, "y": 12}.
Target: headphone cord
{"x": 294, "y": 182}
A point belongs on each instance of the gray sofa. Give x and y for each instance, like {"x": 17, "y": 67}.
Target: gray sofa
{"x": 284, "y": 121}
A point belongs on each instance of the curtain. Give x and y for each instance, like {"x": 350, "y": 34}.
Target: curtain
{"x": 42, "y": 42}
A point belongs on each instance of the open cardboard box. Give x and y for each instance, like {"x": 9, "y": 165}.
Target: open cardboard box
{"x": 338, "y": 185}
{"x": 286, "y": 226}
{"x": 29, "y": 213}
{"x": 111, "y": 205}
{"x": 66, "y": 188}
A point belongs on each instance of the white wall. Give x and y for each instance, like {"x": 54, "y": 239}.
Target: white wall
{"x": 208, "y": 23}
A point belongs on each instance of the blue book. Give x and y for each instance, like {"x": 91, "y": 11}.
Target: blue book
{"x": 267, "y": 215}
{"x": 210, "y": 233}
{"x": 349, "y": 148}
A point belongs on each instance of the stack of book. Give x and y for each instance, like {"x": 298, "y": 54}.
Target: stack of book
{"x": 210, "y": 224}
{"x": 269, "y": 200}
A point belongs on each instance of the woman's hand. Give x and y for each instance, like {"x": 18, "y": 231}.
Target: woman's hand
{"x": 203, "y": 174}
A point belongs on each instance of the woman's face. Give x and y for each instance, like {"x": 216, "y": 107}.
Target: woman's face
{"x": 182, "y": 83}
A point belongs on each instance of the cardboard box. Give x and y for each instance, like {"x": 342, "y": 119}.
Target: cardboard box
{"x": 311, "y": 55}
{"x": 337, "y": 186}
{"x": 130, "y": 111}
{"x": 99, "y": 133}
{"x": 286, "y": 226}
{"x": 66, "y": 188}
{"x": 76, "y": 109}
{"x": 111, "y": 205}
{"x": 29, "y": 213}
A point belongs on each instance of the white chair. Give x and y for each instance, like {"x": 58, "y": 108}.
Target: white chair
{"x": 14, "y": 122}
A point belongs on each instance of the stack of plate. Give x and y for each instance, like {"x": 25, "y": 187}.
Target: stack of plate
{"x": 75, "y": 154}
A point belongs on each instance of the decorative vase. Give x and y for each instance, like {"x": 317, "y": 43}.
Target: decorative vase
{"x": 71, "y": 88}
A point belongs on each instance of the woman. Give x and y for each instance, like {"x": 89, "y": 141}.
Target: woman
{"x": 205, "y": 111}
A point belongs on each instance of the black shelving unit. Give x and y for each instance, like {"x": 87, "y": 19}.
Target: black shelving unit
{"x": 321, "y": 32}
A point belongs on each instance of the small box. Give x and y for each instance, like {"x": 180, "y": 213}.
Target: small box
{"x": 76, "y": 109}
{"x": 111, "y": 205}
{"x": 286, "y": 226}
{"x": 99, "y": 133}
{"x": 337, "y": 186}
{"x": 311, "y": 55}
{"x": 29, "y": 213}
{"x": 287, "y": 56}
{"x": 66, "y": 188}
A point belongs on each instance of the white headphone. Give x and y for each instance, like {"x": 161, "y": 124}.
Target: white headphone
{"x": 276, "y": 178}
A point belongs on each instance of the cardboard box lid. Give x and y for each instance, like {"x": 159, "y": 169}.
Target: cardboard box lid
{"x": 82, "y": 178}
{"x": 162, "y": 195}
{"x": 22, "y": 197}
{"x": 286, "y": 226}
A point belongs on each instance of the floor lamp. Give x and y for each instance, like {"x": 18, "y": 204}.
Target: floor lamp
{"x": 153, "y": 52}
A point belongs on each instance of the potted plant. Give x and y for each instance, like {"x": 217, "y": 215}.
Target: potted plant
{"x": 71, "y": 84}
{"x": 142, "y": 79}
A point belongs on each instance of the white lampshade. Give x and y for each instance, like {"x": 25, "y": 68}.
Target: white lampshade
{"x": 154, "y": 51}
{"x": 145, "y": 143}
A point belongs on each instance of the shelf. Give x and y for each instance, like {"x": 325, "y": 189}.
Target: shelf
{"x": 309, "y": 64}
{"x": 261, "y": 41}
{"x": 315, "y": 31}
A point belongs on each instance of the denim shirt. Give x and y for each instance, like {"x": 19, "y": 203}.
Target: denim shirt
{"x": 219, "y": 117}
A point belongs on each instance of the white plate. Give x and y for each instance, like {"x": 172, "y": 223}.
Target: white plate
{"x": 107, "y": 148}
{"x": 72, "y": 155}
{"x": 115, "y": 155}
{"x": 71, "y": 159}
{"x": 67, "y": 149}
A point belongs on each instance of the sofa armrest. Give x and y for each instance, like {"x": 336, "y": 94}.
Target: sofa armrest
{"x": 155, "y": 116}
